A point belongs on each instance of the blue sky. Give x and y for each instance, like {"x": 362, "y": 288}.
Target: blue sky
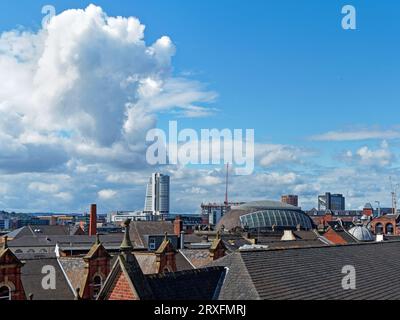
{"x": 286, "y": 69}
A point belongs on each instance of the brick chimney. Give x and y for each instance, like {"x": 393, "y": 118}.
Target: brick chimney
{"x": 178, "y": 226}
{"x": 93, "y": 220}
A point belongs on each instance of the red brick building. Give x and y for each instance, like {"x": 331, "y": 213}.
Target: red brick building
{"x": 387, "y": 225}
{"x": 127, "y": 281}
{"x": 11, "y": 287}
{"x": 96, "y": 271}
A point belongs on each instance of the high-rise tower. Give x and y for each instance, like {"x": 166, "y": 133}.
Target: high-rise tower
{"x": 157, "y": 195}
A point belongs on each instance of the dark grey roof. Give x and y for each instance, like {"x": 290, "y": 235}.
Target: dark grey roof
{"x": 199, "y": 284}
{"x": 292, "y": 244}
{"x": 32, "y": 276}
{"x": 196, "y": 257}
{"x": 140, "y": 229}
{"x": 182, "y": 263}
{"x": 74, "y": 268}
{"x": 238, "y": 284}
{"x": 32, "y": 256}
{"x": 313, "y": 273}
{"x": 40, "y": 231}
{"x": 66, "y": 240}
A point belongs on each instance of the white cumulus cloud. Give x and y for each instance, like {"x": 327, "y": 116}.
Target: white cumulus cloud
{"x": 379, "y": 157}
{"x": 107, "y": 194}
{"x": 86, "y": 87}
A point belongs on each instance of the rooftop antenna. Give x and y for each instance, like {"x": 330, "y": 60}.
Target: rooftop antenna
{"x": 226, "y": 186}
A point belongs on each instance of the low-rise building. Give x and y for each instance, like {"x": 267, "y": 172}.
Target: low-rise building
{"x": 388, "y": 224}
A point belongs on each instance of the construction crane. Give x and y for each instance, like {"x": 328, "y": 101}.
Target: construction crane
{"x": 394, "y": 195}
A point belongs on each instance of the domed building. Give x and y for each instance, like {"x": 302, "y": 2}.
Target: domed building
{"x": 265, "y": 215}
{"x": 361, "y": 233}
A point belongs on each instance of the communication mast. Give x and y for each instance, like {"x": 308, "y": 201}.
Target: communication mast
{"x": 226, "y": 185}
{"x": 394, "y": 196}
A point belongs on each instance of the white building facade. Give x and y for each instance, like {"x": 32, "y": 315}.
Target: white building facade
{"x": 157, "y": 195}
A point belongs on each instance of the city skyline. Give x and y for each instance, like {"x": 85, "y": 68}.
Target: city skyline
{"x": 320, "y": 99}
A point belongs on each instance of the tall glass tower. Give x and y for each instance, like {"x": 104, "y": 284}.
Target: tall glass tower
{"x": 157, "y": 195}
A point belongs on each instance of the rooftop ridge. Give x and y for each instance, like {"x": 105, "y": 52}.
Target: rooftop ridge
{"x": 185, "y": 272}
{"x": 320, "y": 247}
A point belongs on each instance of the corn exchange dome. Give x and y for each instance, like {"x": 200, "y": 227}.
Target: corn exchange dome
{"x": 265, "y": 215}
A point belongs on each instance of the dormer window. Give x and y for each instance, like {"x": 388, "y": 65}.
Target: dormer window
{"x": 5, "y": 293}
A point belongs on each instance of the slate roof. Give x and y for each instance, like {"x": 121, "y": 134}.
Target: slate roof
{"x": 233, "y": 244}
{"x": 293, "y": 244}
{"x": 83, "y": 242}
{"x": 140, "y": 229}
{"x": 238, "y": 284}
{"x": 197, "y": 257}
{"x": 44, "y": 230}
{"x": 232, "y": 241}
{"x": 313, "y": 273}
{"x": 200, "y": 284}
{"x": 147, "y": 262}
{"x": 182, "y": 263}
{"x": 192, "y": 238}
{"x": 32, "y": 276}
{"x": 75, "y": 270}
{"x": 303, "y": 239}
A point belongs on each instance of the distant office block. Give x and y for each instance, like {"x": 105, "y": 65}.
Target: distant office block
{"x": 290, "y": 199}
{"x": 330, "y": 201}
{"x": 157, "y": 195}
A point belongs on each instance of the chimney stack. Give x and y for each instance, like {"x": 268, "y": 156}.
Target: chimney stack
{"x": 93, "y": 220}
{"x": 178, "y": 226}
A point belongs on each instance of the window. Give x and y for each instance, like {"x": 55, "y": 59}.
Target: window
{"x": 379, "y": 228}
{"x": 5, "y": 293}
{"x": 97, "y": 283}
{"x": 389, "y": 229}
{"x": 152, "y": 244}
{"x": 18, "y": 251}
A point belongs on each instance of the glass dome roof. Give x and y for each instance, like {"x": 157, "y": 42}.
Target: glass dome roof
{"x": 279, "y": 218}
